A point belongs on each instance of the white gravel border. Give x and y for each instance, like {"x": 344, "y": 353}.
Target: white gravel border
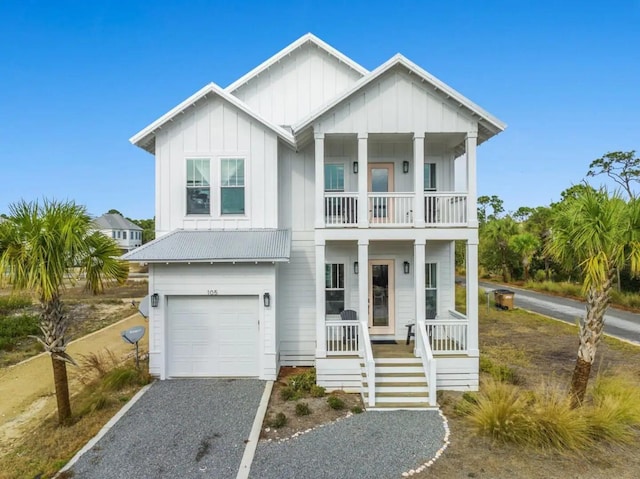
{"x": 446, "y": 442}
{"x": 112, "y": 422}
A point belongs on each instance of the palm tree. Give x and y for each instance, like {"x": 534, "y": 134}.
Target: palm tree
{"x": 597, "y": 233}
{"x": 41, "y": 246}
{"x": 525, "y": 244}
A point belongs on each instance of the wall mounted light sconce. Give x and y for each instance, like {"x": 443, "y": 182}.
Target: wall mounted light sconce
{"x": 356, "y": 270}
{"x": 155, "y": 300}
{"x": 407, "y": 267}
{"x": 405, "y": 166}
{"x": 267, "y": 300}
{"x": 355, "y": 167}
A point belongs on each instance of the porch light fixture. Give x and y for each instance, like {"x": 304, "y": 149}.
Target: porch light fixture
{"x": 155, "y": 300}
{"x": 355, "y": 167}
{"x": 405, "y": 166}
{"x": 267, "y": 300}
{"x": 406, "y": 267}
{"x": 355, "y": 268}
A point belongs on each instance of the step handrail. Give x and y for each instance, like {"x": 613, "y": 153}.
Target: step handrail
{"x": 369, "y": 361}
{"x": 428, "y": 362}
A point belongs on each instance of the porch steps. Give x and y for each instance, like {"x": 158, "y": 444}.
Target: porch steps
{"x": 400, "y": 384}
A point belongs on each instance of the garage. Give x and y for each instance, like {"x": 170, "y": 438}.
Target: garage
{"x": 213, "y": 336}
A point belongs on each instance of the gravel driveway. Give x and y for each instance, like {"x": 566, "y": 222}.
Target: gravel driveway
{"x": 371, "y": 445}
{"x": 186, "y": 428}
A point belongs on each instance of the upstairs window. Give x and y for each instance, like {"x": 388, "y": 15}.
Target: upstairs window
{"x": 333, "y": 177}
{"x": 334, "y": 288}
{"x": 232, "y": 186}
{"x": 198, "y": 186}
{"x": 429, "y": 177}
{"x": 124, "y": 235}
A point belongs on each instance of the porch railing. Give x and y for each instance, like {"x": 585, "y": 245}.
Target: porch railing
{"x": 428, "y": 363}
{"x": 369, "y": 362}
{"x": 447, "y": 336}
{"x": 340, "y": 208}
{"x": 445, "y": 209}
{"x": 391, "y": 209}
{"x": 343, "y": 337}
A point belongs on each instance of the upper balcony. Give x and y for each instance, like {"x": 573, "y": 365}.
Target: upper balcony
{"x": 395, "y": 181}
{"x": 397, "y": 210}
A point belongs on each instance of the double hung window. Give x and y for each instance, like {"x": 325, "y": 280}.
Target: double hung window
{"x": 198, "y": 186}
{"x": 334, "y": 288}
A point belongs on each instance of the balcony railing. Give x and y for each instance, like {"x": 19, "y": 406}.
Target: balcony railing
{"x": 342, "y": 337}
{"x": 447, "y": 336}
{"x": 441, "y": 209}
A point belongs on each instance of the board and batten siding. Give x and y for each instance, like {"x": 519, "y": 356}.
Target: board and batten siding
{"x": 299, "y": 84}
{"x": 396, "y": 102}
{"x": 213, "y": 279}
{"x": 216, "y": 129}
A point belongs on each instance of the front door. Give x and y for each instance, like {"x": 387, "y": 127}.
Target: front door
{"x": 380, "y": 181}
{"x": 381, "y": 296}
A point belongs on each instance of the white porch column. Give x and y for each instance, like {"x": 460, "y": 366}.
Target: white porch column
{"x": 471, "y": 143}
{"x": 472, "y": 297}
{"x": 363, "y": 281}
{"x": 363, "y": 184}
{"x": 321, "y": 331}
{"x": 319, "y": 196}
{"x": 419, "y": 258}
{"x": 418, "y": 179}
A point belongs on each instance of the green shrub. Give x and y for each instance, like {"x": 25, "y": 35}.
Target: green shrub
{"x": 540, "y": 275}
{"x": 335, "y": 402}
{"x": 317, "y": 391}
{"x": 356, "y": 410}
{"x": 15, "y": 328}
{"x": 289, "y": 394}
{"x": 13, "y": 302}
{"x": 303, "y": 382}
{"x": 302, "y": 409}
{"x": 499, "y": 372}
{"x": 278, "y": 421}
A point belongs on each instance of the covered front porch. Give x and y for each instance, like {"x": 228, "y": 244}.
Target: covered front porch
{"x": 406, "y": 290}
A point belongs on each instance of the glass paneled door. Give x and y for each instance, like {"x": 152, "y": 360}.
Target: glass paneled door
{"x": 381, "y": 182}
{"x": 381, "y": 296}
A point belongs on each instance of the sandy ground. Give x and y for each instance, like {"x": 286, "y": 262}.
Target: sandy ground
{"x": 27, "y": 390}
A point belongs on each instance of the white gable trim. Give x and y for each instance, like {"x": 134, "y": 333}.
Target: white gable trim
{"x": 143, "y": 138}
{"x": 308, "y": 38}
{"x": 437, "y": 84}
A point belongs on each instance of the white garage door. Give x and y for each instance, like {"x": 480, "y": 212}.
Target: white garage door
{"x": 212, "y": 336}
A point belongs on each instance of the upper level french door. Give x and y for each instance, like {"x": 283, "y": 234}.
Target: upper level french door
{"x": 380, "y": 181}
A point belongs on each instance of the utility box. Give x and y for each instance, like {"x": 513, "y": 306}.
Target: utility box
{"x": 504, "y": 298}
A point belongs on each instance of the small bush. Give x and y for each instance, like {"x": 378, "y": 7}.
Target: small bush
{"x": 303, "y": 382}
{"x": 540, "y": 276}
{"x": 289, "y": 394}
{"x": 123, "y": 377}
{"x": 302, "y": 409}
{"x": 317, "y": 391}
{"x": 498, "y": 372}
{"x": 278, "y": 421}
{"x": 356, "y": 410}
{"x": 335, "y": 402}
{"x": 15, "y": 328}
{"x": 13, "y": 303}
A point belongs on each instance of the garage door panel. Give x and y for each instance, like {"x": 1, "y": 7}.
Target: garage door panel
{"x": 213, "y": 336}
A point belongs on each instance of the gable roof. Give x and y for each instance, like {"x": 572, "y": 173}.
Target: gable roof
{"x": 308, "y": 38}
{"x": 489, "y": 124}
{"x": 113, "y": 221}
{"x": 144, "y": 138}
{"x": 215, "y": 246}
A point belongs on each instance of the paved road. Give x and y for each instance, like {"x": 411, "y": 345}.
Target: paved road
{"x": 621, "y": 324}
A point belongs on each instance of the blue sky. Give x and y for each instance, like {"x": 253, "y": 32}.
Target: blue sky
{"x": 77, "y": 79}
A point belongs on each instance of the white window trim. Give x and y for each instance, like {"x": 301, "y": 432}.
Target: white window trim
{"x": 435, "y": 177}
{"x": 437, "y": 288}
{"x": 344, "y": 288}
{"x": 184, "y": 186}
{"x": 346, "y": 176}
{"x": 219, "y": 186}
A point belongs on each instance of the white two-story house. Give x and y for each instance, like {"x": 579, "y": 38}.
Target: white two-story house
{"x": 125, "y": 233}
{"x": 308, "y": 187}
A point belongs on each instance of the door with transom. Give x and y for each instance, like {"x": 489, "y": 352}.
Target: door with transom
{"x": 381, "y": 296}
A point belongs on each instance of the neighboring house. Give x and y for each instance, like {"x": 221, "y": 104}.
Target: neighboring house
{"x": 307, "y": 187}
{"x": 126, "y": 234}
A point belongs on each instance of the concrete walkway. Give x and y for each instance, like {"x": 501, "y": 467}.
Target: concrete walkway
{"x": 27, "y": 389}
